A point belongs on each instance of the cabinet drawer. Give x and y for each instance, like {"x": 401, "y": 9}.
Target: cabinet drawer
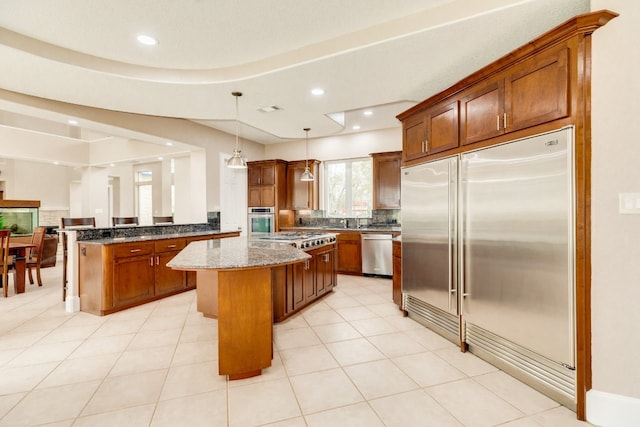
{"x": 128, "y": 250}
{"x": 170, "y": 245}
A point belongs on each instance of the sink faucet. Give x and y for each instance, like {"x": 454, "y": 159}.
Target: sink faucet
{"x": 344, "y": 222}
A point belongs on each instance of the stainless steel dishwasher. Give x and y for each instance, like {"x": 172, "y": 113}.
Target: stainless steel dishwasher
{"x": 376, "y": 254}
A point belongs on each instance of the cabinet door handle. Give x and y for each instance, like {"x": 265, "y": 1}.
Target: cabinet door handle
{"x": 133, "y": 251}
{"x": 504, "y": 121}
{"x": 171, "y": 246}
{"x": 157, "y": 260}
{"x": 498, "y": 122}
{"x": 151, "y": 261}
{"x": 426, "y": 145}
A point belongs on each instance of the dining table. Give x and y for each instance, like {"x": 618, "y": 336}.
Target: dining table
{"x": 19, "y": 252}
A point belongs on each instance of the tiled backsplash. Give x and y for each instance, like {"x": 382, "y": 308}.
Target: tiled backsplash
{"x": 316, "y": 218}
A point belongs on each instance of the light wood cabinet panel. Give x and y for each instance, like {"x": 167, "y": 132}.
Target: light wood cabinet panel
{"x": 414, "y": 130}
{"x": 386, "y": 180}
{"x": 326, "y": 276}
{"x": 431, "y": 131}
{"x": 349, "y": 253}
{"x": 533, "y": 92}
{"x": 397, "y": 273}
{"x": 302, "y": 194}
{"x": 133, "y": 280}
{"x": 482, "y": 112}
{"x": 537, "y": 91}
{"x": 168, "y": 280}
{"x": 267, "y": 184}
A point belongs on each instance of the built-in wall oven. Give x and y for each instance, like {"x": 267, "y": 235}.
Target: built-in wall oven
{"x": 261, "y": 220}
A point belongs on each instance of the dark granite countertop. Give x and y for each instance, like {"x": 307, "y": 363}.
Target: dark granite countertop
{"x": 376, "y": 229}
{"x": 152, "y": 237}
{"x": 235, "y": 252}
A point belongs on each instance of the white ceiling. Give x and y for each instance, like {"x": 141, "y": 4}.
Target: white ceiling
{"x": 366, "y": 54}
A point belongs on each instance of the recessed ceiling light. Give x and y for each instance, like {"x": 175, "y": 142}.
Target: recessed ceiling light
{"x": 355, "y": 127}
{"x": 160, "y": 158}
{"x": 168, "y": 144}
{"x": 147, "y": 40}
{"x": 112, "y": 164}
{"x": 56, "y": 163}
{"x": 368, "y": 113}
{"x": 317, "y": 91}
{"x": 72, "y": 122}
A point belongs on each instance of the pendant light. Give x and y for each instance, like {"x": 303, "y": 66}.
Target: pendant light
{"x": 307, "y": 175}
{"x": 237, "y": 161}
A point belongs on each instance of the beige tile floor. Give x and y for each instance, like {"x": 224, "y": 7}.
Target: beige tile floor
{"x": 349, "y": 360}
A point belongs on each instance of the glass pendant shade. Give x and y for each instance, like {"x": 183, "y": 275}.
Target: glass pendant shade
{"x": 307, "y": 175}
{"x": 237, "y": 161}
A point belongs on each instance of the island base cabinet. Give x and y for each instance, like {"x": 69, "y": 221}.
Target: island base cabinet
{"x": 245, "y": 317}
{"x": 134, "y": 280}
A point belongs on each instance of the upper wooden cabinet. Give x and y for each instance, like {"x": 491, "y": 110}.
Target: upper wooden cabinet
{"x": 539, "y": 87}
{"x": 302, "y": 194}
{"x": 386, "y": 180}
{"x": 527, "y": 94}
{"x": 431, "y": 131}
{"x": 267, "y": 183}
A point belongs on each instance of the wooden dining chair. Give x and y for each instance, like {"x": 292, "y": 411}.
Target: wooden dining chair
{"x": 163, "y": 220}
{"x": 34, "y": 256}
{"x": 124, "y": 220}
{"x": 86, "y": 222}
{"x": 6, "y": 259}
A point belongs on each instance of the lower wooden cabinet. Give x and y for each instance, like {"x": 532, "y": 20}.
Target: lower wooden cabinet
{"x": 168, "y": 280}
{"x": 133, "y": 274}
{"x": 397, "y": 273}
{"x": 297, "y": 285}
{"x": 349, "y": 257}
{"x": 117, "y": 276}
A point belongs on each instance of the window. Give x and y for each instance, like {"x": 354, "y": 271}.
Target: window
{"x": 144, "y": 197}
{"x": 348, "y": 188}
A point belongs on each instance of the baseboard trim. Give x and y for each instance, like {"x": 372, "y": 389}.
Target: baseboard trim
{"x": 612, "y": 410}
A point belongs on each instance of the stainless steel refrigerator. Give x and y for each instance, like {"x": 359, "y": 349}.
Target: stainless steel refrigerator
{"x": 488, "y": 255}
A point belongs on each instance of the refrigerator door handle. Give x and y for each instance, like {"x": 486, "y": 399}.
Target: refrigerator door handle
{"x": 452, "y": 246}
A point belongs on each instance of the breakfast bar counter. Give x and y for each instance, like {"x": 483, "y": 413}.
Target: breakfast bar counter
{"x": 234, "y": 285}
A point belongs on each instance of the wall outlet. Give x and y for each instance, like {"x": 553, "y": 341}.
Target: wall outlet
{"x": 629, "y": 203}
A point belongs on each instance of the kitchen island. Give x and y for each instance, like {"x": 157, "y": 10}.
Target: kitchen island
{"x": 234, "y": 284}
{"x": 119, "y": 268}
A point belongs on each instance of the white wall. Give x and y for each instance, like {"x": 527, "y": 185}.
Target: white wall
{"x": 615, "y": 398}
{"x": 338, "y": 147}
{"x": 46, "y": 182}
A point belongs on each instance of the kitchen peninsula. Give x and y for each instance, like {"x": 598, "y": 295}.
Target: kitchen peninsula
{"x": 234, "y": 284}
{"x": 121, "y": 267}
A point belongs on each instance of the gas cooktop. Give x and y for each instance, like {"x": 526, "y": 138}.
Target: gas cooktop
{"x": 301, "y": 240}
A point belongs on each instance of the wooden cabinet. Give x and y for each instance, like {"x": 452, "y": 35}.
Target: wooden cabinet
{"x": 527, "y": 94}
{"x": 168, "y": 280}
{"x": 133, "y": 273}
{"x": 267, "y": 184}
{"x": 297, "y": 285}
{"x": 431, "y": 131}
{"x": 302, "y": 194}
{"x": 386, "y": 180}
{"x": 349, "y": 253}
{"x": 117, "y": 276}
{"x": 326, "y": 275}
{"x": 397, "y": 273}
